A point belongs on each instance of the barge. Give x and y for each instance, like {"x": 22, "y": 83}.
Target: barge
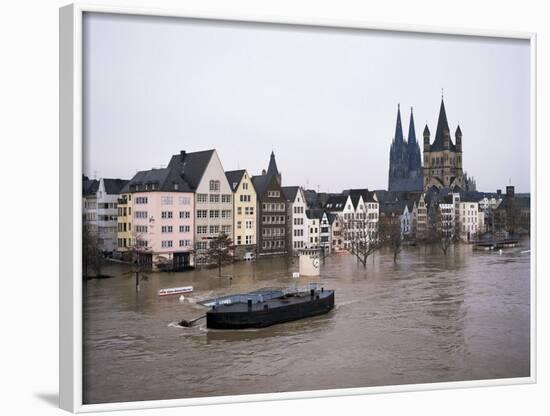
{"x": 268, "y": 307}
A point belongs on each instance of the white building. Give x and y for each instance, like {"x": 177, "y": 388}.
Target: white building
{"x": 325, "y": 233}
{"x": 100, "y": 210}
{"x": 297, "y": 221}
{"x": 468, "y": 215}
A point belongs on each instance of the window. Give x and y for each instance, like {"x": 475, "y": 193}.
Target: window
{"x": 214, "y": 229}
{"x": 185, "y": 243}
{"x": 166, "y": 243}
{"x": 201, "y": 229}
{"x": 202, "y": 198}
{"x": 248, "y": 239}
{"x": 248, "y": 225}
{"x": 239, "y": 211}
{"x": 140, "y": 214}
{"x": 214, "y": 198}
{"x": 185, "y": 214}
{"x": 273, "y": 194}
{"x": 245, "y": 186}
{"x": 166, "y": 229}
{"x": 239, "y": 225}
{"x": 184, "y": 200}
{"x": 239, "y": 239}
{"x": 185, "y": 228}
{"x": 201, "y": 213}
{"x": 141, "y": 200}
{"x": 214, "y": 186}
{"x": 167, "y": 200}
{"x": 141, "y": 228}
{"x": 227, "y": 198}
{"x": 214, "y": 213}
{"x": 226, "y": 229}
{"x": 166, "y": 214}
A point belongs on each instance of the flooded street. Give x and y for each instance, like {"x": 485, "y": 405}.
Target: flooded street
{"x": 428, "y": 318}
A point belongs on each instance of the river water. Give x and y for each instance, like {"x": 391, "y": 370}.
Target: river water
{"x": 428, "y": 318}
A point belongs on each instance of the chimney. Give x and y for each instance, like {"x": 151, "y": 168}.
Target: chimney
{"x": 182, "y": 155}
{"x": 263, "y": 172}
{"x": 499, "y": 192}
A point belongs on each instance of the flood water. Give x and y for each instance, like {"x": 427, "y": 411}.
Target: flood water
{"x": 428, "y": 318}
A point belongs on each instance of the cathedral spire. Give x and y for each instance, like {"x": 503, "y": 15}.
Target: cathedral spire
{"x": 412, "y": 134}
{"x": 398, "y": 127}
{"x": 272, "y": 169}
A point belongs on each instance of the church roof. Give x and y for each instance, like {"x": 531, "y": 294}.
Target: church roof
{"x": 441, "y": 130}
{"x": 272, "y": 168}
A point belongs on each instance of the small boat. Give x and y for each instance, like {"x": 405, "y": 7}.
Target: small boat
{"x": 175, "y": 290}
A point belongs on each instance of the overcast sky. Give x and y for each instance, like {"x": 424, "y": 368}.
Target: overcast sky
{"x": 324, "y": 100}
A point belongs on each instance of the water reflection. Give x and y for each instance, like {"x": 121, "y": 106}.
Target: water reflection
{"x": 426, "y": 318}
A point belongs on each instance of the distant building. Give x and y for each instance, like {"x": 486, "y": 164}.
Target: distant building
{"x": 244, "y": 211}
{"x": 124, "y": 221}
{"x": 443, "y": 158}
{"x": 405, "y": 173}
{"x": 106, "y": 211}
{"x": 272, "y": 211}
{"x": 89, "y": 204}
{"x": 512, "y": 217}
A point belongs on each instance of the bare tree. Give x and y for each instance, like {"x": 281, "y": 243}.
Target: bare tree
{"x": 92, "y": 257}
{"x": 137, "y": 253}
{"x": 390, "y": 233}
{"x": 361, "y": 243}
{"x": 441, "y": 229}
{"x": 221, "y": 251}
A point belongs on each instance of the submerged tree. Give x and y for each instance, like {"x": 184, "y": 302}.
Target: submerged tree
{"x": 221, "y": 251}
{"x": 390, "y": 233}
{"x": 361, "y": 242}
{"x": 92, "y": 257}
{"x": 137, "y": 253}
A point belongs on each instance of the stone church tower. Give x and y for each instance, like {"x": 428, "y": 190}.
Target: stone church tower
{"x": 405, "y": 173}
{"x": 443, "y": 158}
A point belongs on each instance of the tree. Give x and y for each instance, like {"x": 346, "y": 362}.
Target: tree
{"x": 390, "y": 233}
{"x": 361, "y": 243}
{"x": 136, "y": 259}
{"x": 221, "y": 251}
{"x": 92, "y": 257}
{"x": 441, "y": 229}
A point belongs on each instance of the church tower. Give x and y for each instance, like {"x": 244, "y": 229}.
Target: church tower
{"x": 443, "y": 158}
{"x": 405, "y": 172}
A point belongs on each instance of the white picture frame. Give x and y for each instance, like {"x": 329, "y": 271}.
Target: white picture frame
{"x": 70, "y": 153}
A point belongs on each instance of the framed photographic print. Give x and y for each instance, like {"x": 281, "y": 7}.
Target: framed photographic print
{"x": 259, "y": 208}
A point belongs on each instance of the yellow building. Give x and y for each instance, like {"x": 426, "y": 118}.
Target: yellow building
{"x": 124, "y": 222}
{"x": 244, "y": 211}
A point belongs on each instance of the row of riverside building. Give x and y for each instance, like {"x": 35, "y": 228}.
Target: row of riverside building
{"x": 171, "y": 214}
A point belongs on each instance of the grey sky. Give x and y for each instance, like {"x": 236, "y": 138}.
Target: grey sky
{"x": 324, "y": 100}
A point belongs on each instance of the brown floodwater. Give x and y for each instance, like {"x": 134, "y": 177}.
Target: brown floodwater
{"x": 428, "y": 318}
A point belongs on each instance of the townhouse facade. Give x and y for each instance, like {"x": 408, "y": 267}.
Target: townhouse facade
{"x": 124, "y": 221}
{"x": 296, "y": 218}
{"x": 162, "y": 207}
{"x": 272, "y": 211}
{"x": 213, "y": 202}
{"x": 244, "y": 211}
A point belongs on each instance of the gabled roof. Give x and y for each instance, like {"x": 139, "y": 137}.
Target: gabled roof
{"x": 234, "y": 178}
{"x": 290, "y": 192}
{"x": 315, "y": 213}
{"x": 89, "y": 186}
{"x": 114, "y": 186}
{"x": 368, "y": 196}
{"x": 262, "y": 182}
{"x": 336, "y": 203}
{"x": 191, "y": 165}
{"x": 331, "y": 217}
{"x": 165, "y": 180}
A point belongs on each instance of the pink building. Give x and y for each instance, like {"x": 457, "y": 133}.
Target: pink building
{"x": 163, "y": 218}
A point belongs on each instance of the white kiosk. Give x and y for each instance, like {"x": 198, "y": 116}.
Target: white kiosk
{"x": 310, "y": 261}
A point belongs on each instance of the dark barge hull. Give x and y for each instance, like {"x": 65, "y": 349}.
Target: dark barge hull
{"x": 240, "y": 316}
